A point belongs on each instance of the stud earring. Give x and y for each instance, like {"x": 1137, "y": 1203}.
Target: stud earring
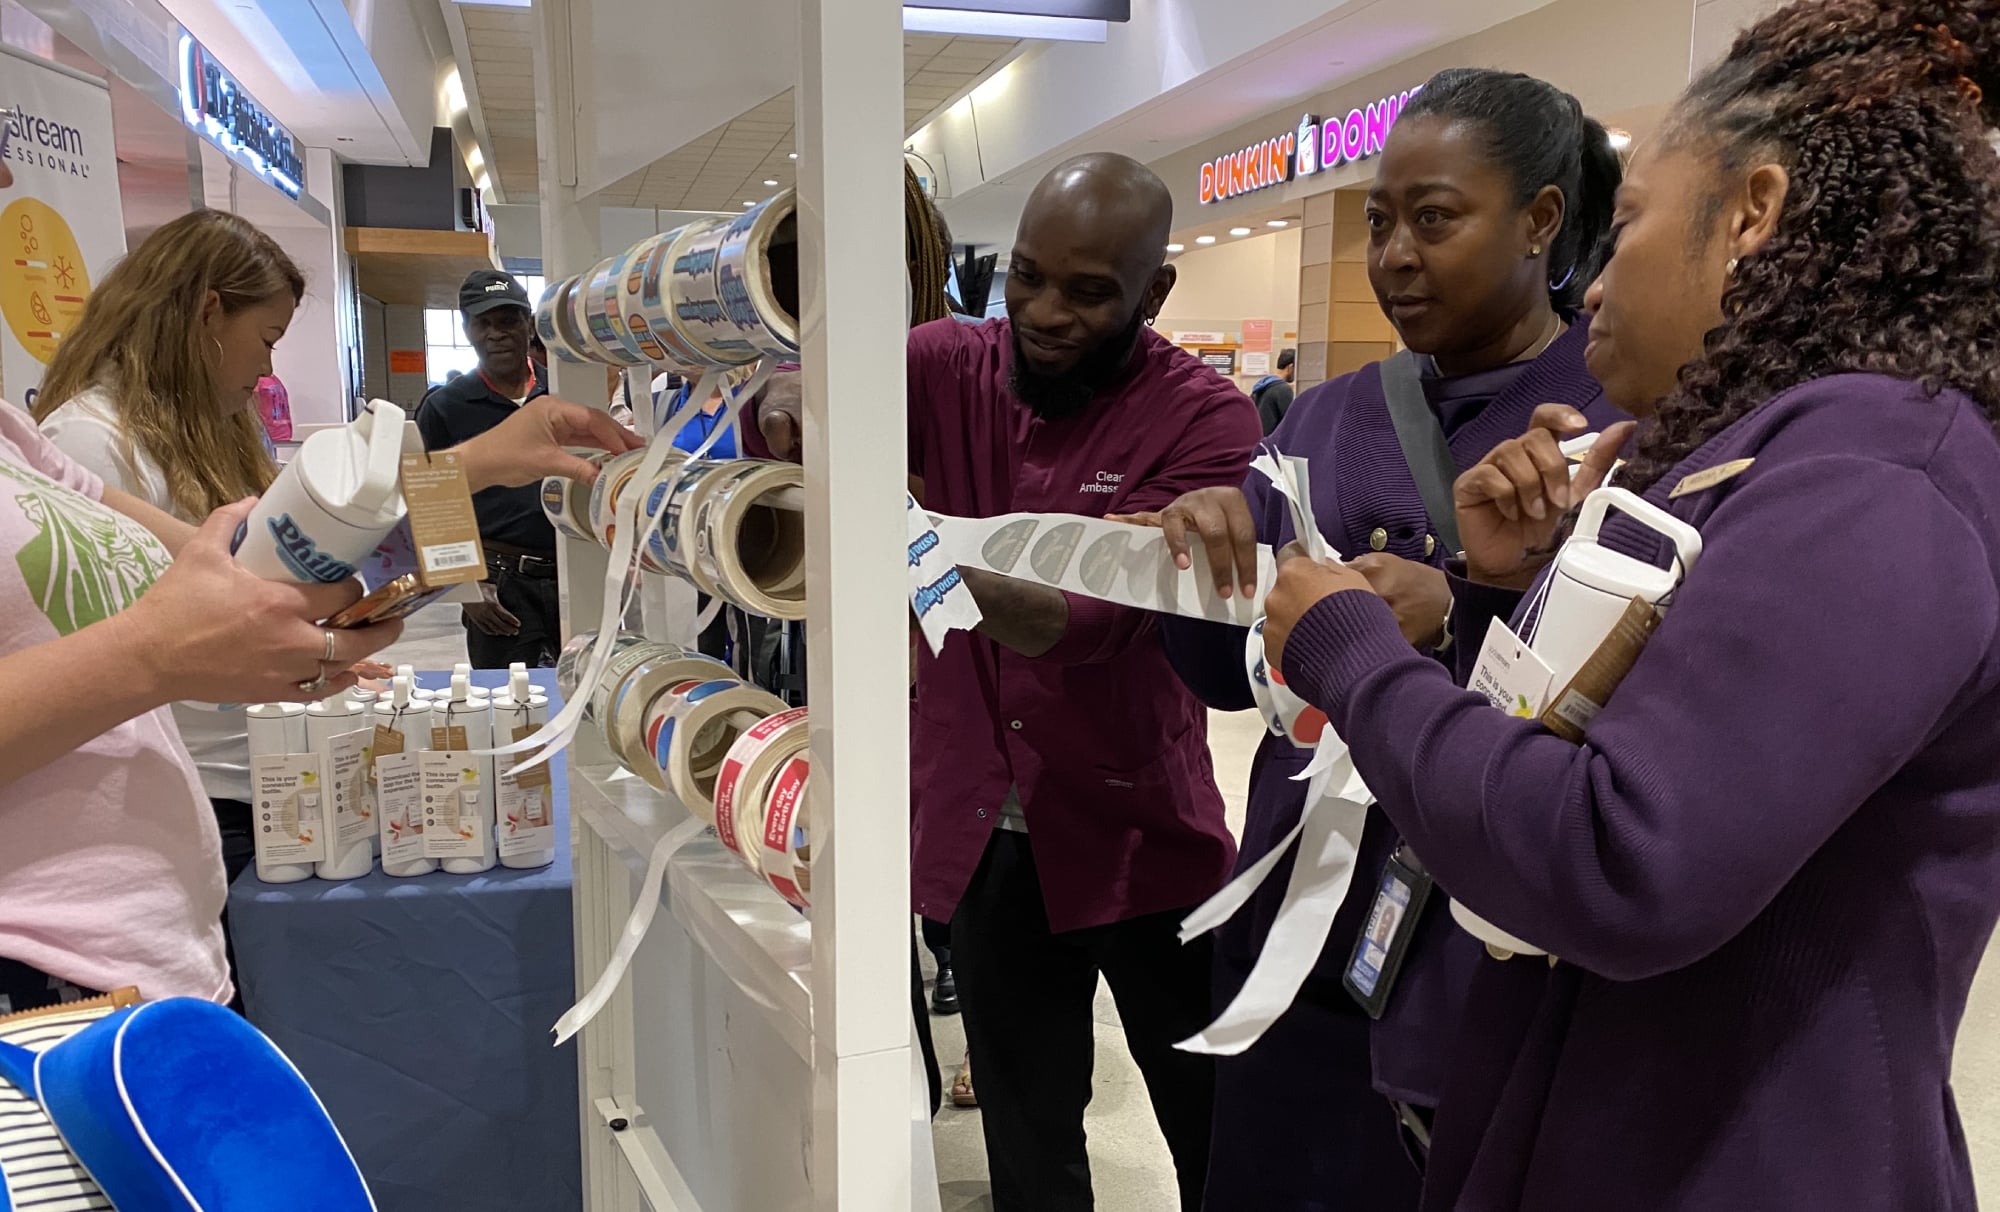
{"x": 1729, "y": 270}
{"x": 1534, "y": 250}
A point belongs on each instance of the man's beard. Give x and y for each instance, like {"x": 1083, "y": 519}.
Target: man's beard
{"x": 1060, "y": 397}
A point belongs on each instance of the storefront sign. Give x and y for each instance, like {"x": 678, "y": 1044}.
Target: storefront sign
{"x": 1221, "y": 361}
{"x": 61, "y": 224}
{"x": 1201, "y": 338}
{"x": 1314, "y": 147}
{"x": 219, "y": 109}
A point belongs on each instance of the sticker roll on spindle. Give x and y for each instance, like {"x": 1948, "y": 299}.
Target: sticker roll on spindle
{"x": 751, "y": 550}
{"x": 746, "y": 773}
{"x": 608, "y": 282}
{"x": 575, "y": 655}
{"x": 625, "y": 730}
{"x": 786, "y": 861}
{"x": 654, "y": 306}
{"x": 568, "y": 321}
{"x": 566, "y": 502}
{"x": 546, "y": 327}
{"x": 680, "y": 520}
{"x": 652, "y": 546}
{"x": 690, "y": 729}
{"x": 757, "y": 275}
{"x": 602, "y": 339}
{"x": 624, "y": 660}
{"x": 695, "y": 297}
{"x": 613, "y": 481}
{"x": 647, "y": 322}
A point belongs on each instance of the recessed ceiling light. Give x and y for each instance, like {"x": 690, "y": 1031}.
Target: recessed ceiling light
{"x": 1620, "y": 140}
{"x": 770, "y": 180}
{"x": 794, "y": 155}
{"x": 1239, "y": 231}
{"x": 1277, "y": 223}
{"x": 1176, "y": 248}
{"x": 1204, "y": 239}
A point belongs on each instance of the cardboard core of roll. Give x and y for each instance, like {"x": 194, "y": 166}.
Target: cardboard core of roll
{"x": 771, "y": 546}
{"x": 781, "y": 267}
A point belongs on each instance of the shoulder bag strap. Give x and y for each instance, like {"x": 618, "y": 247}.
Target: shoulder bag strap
{"x": 1423, "y": 443}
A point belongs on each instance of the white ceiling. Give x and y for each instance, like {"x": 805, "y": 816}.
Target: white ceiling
{"x": 721, "y": 169}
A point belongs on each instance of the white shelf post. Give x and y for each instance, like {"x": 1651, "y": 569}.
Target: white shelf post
{"x": 850, "y": 138}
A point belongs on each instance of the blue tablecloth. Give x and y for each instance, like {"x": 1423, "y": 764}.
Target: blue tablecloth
{"x": 419, "y": 1009}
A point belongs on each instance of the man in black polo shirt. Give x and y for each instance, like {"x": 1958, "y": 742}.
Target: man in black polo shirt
{"x": 519, "y": 620}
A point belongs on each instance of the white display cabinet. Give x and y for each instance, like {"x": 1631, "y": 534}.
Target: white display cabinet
{"x": 752, "y": 1061}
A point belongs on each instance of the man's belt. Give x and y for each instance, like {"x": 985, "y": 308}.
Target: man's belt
{"x": 519, "y": 561}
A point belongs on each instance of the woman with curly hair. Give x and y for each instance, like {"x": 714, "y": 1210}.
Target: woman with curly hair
{"x": 1770, "y": 868}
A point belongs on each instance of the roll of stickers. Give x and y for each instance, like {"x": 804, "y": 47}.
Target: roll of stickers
{"x": 787, "y": 855}
{"x": 607, "y": 283}
{"x": 747, "y": 770}
{"x": 568, "y": 320}
{"x": 690, "y": 729}
{"x": 684, "y": 512}
{"x": 645, "y": 308}
{"x": 613, "y": 482}
{"x": 664, "y": 548}
{"x": 566, "y": 502}
{"x": 1110, "y": 561}
{"x": 571, "y": 660}
{"x": 757, "y": 275}
{"x": 653, "y": 549}
{"x": 695, "y": 297}
{"x": 625, "y": 725}
{"x": 752, "y": 551}
{"x": 1284, "y": 713}
{"x": 545, "y": 323}
{"x": 625, "y": 659}
{"x": 595, "y": 295}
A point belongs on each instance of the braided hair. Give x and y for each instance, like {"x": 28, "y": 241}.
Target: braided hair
{"x": 928, "y": 249}
{"x": 1540, "y": 136}
{"x": 1886, "y": 257}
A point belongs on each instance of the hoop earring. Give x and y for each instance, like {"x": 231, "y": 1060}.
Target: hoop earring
{"x": 215, "y": 341}
{"x": 1564, "y": 280}
{"x": 1152, "y": 320}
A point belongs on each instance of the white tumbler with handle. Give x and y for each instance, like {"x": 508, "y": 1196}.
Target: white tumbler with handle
{"x": 332, "y": 505}
{"x": 475, "y": 715}
{"x": 519, "y": 705}
{"x": 1589, "y": 588}
{"x": 409, "y": 715}
{"x": 277, "y": 729}
{"x": 326, "y": 720}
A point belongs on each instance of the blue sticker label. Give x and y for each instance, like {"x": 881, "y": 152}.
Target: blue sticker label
{"x": 299, "y": 555}
{"x": 927, "y": 598}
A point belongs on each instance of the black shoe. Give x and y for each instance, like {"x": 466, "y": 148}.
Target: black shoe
{"x": 944, "y": 995}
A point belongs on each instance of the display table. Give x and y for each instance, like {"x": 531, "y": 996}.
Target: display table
{"x": 419, "y": 1009}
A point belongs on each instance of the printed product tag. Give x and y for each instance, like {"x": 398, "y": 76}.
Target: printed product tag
{"x": 387, "y": 741}
{"x": 349, "y": 758}
{"x": 442, "y": 525}
{"x": 399, "y": 805}
{"x": 1591, "y": 688}
{"x": 456, "y": 810}
{"x": 1392, "y": 922}
{"x": 448, "y": 737}
{"x": 1511, "y": 677}
{"x": 290, "y": 792}
{"x": 527, "y": 815}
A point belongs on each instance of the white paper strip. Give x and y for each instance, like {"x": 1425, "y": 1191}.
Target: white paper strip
{"x": 644, "y": 906}
{"x": 1111, "y": 561}
{"x": 939, "y": 596}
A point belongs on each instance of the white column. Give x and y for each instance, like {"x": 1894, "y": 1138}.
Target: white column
{"x": 850, "y": 120}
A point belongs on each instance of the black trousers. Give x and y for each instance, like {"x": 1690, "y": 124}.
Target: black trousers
{"x": 537, "y": 603}
{"x": 1028, "y": 1026}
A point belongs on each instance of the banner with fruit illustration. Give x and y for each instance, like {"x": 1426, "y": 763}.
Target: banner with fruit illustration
{"x": 61, "y": 225}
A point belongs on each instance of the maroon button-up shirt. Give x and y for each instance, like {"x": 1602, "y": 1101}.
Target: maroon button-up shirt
{"x": 1107, "y": 748}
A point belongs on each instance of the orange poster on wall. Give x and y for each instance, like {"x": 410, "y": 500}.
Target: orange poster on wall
{"x": 1256, "y": 336}
{"x": 407, "y": 362}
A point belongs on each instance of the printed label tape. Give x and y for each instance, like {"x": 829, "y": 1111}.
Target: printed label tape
{"x": 690, "y": 729}
{"x": 745, "y": 776}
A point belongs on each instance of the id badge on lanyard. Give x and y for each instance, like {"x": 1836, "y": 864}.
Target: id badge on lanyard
{"x": 1378, "y": 954}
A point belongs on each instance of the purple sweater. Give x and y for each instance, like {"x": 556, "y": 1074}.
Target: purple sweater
{"x": 1772, "y": 868}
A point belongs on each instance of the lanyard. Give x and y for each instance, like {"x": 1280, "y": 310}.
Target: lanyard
{"x": 503, "y": 395}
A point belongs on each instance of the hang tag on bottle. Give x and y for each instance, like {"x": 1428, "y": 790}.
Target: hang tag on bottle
{"x": 525, "y": 808}
{"x": 456, "y": 813}
{"x": 448, "y": 737}
{"x": 388, "y": 742}
{"x": 399, "y": 805}
{"x": 1510, "y": 675}
{"x": 442, "y": 525}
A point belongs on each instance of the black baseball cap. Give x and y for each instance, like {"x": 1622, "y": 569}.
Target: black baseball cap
{"x": 486, "y": 289}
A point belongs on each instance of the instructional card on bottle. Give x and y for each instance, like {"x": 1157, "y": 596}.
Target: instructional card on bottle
{"x": 456, "y": 809}
{"x": 348, "y": 758}
{"x": 399, "y": 805}
{"x": 290, "y": 807}
{"x": 527, "y": 810}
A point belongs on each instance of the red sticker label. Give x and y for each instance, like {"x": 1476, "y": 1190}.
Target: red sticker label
{"x": 725, "y": 803}
{"x": 787, "y": 790}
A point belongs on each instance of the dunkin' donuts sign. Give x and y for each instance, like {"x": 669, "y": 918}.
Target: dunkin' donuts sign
{"x": 1314, "y": 147}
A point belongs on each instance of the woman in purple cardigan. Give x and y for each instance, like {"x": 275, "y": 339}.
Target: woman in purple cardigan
{"x": 1489, "y": 213}
{"x": 1772, "y": 865}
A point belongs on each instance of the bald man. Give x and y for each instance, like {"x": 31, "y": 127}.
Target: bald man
{"x": 1065, "y": 813}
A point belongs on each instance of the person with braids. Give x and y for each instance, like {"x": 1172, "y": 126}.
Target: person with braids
{"x": 1489, "y": 215}
{"x": 1769, "y": 869}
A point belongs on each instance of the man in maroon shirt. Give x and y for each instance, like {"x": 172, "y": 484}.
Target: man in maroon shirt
{"x": 1065, "y": 814}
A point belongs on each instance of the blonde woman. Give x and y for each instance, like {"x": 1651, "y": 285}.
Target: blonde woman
{"x": 154, "y": 392}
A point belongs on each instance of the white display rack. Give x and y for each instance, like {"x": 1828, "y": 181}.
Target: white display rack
{"x": 753, "y": 1062}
